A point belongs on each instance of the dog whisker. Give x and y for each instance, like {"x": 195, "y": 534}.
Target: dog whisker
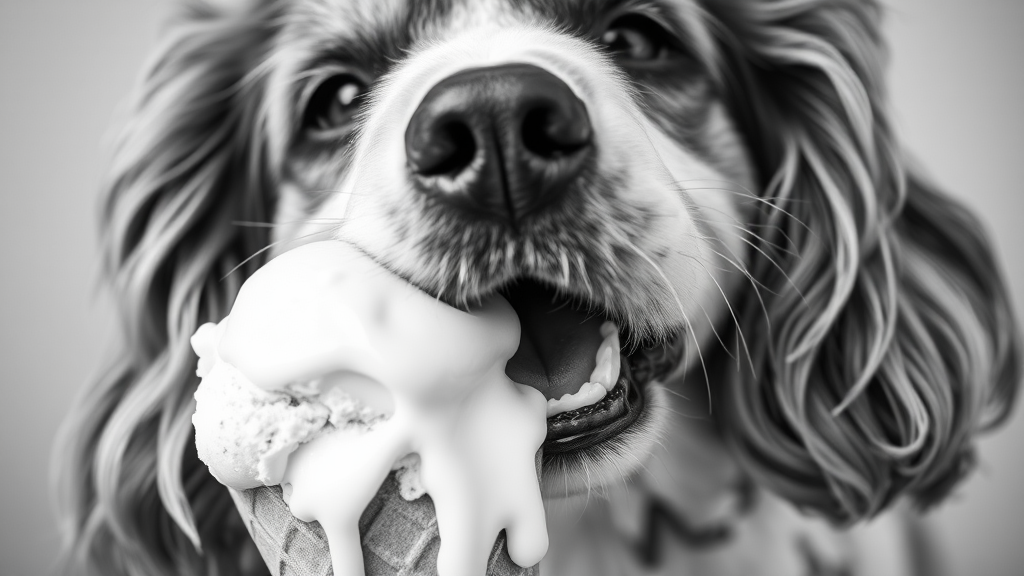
{"x": 754, "y": 284}
{"x": 643, "y": 89}
{"x": 669, "y": 390}
{"x": 743, "y": 191}
{"x": 564, "y": 303}
{"x": 779, "y": 268}
{"x": 714, "y": 331}
{"x": 682, "y": 310}
{"x": 746, "y": 230}
{"x": 740, "y": 186}
{"x": 763, "y": 253}
{"x": 268, "y": 247}
{"x": 324, "y": 221}
{"x": 728, "y": 304}
{"x": 759, "y": 200}
{"x": 736, "y": 263}
{"x": 776, "y": 230}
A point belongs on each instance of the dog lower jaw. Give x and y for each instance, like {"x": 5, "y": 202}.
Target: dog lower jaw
{"x": 590, "y": 425}
{"x": 615, "y": 460}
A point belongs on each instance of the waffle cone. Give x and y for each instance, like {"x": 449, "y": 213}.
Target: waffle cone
{"x": 399, "y": 538}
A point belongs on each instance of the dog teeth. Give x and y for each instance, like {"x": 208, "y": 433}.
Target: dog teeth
{"x": 606, "y": 372}
{"x": 588, "y": 394}
{"x": 602, "y": 379}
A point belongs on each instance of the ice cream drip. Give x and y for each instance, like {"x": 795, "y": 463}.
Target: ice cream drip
{"x": 329, "y": 315}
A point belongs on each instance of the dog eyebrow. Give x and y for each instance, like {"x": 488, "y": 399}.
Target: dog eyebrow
{"x": 361, "y": 33}
{"x": 581, "y": 16}
{"x": 576, "y": 15}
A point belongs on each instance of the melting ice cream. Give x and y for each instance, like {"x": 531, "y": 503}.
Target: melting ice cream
{"x": 330, "y": 371}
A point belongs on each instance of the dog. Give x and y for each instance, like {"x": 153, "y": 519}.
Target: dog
{"x": 812, "y": 334}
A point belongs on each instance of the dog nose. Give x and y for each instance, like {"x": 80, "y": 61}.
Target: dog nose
{"x": 502, "y": 141}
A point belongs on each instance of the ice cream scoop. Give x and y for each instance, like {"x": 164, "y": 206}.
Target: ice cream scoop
{"x": 359, "y": 370}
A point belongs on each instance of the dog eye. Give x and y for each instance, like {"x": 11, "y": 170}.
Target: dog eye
{"x": 334, "y": 103}
{"x": 636, "y": 38}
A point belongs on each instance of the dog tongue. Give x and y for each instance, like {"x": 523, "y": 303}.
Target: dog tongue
{"x": 558, "y": 346}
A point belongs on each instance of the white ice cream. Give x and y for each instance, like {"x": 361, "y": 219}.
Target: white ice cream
{"x": 331, "y": 356}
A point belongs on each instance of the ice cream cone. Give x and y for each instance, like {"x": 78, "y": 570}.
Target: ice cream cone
{"x": 399, "y": 537}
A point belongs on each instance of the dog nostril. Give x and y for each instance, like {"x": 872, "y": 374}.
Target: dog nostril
{"x": 552, "y": 131}
{"x": 447, "y": 149}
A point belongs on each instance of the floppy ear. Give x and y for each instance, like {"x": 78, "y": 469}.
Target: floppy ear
{"x": 134, "y": 497}
{"x": 887, "y": 339}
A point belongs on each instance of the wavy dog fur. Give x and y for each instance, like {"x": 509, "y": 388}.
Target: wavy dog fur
{"x": 135, "y": 498}
{"x": 881, "y": 337}
{"x": 889, "y": 338}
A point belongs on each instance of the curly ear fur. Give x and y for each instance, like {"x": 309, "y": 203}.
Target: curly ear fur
{"x": 134, "y": 498}
{"x": 887, "y": 335}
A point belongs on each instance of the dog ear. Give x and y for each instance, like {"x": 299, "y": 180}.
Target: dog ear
{"x": 188, "y": 164}
{"x": 886, "y": 340}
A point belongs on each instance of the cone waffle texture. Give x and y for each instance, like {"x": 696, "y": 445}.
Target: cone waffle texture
{"x": 399, "y": 538}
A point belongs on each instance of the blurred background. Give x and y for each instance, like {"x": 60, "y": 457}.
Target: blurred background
{"x": 957, "y": 82}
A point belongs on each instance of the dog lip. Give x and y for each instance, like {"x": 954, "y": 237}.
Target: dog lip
{"x": 589, "y": 426}
{"x": 573, "y": 432}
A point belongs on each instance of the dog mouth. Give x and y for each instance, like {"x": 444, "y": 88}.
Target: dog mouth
{"x": 570, "y": 350}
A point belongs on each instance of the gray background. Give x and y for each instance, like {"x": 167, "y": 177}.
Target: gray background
{"x": 65, "y": 65}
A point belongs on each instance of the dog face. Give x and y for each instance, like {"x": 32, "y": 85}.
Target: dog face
{"x": 718, "y": 179}
{"x": 575, "y": 158}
